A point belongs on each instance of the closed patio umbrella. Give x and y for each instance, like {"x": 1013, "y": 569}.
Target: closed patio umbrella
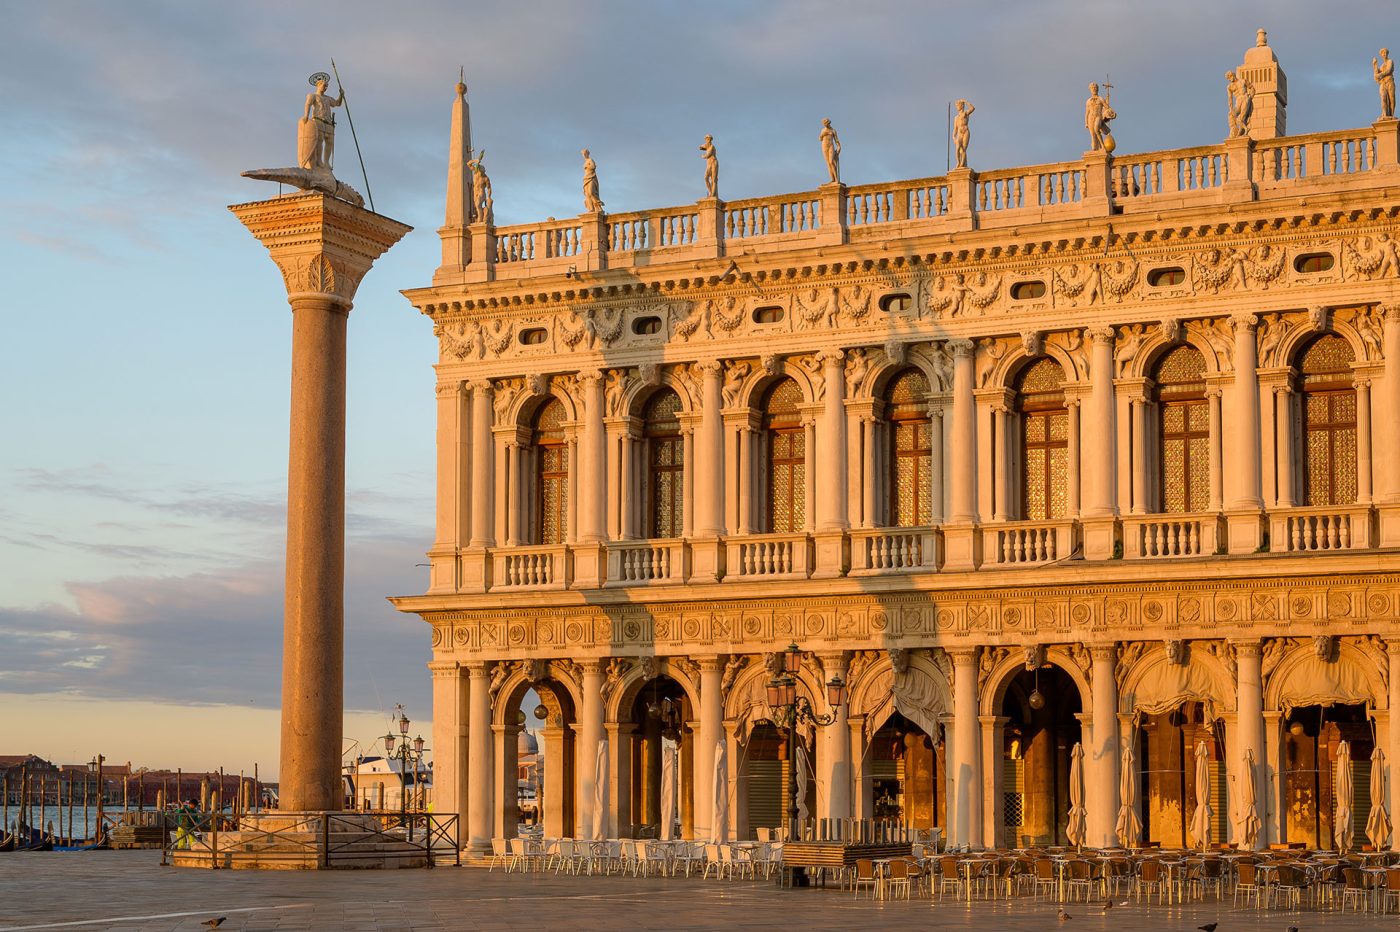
{"x": 668, "y": 794}
{"x": 1129, "y": 826}
{"x": 1076, "y": 828}
{"x": 1341, "y": 770}
{"x": 1378, "y": 822}
{"x": 600, "y": 792}
{"x": 1249, "y": 809}
{"x": 720, "y": 794}
{"x": 1201, "y": 818}
{"x": 804, "y": 776}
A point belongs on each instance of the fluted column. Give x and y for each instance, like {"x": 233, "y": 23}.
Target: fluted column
{"x": 590, "y": 733}
{"x": 709, "y": 734}
{"x": 483, "y": 461}
{"x": 1101, "y": 496}
{"x": 480, "y": 773}
{"x": 963, "y": 479}
{"x": 1249, "y": 724}
{"x": 593, "y": 456}
{"x": 830, "y": 477}
{"x": 1104, "y": 752}
{"x": 709, "y": 453}
{"x": 965, "y": 808}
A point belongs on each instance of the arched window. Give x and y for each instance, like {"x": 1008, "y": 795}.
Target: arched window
{"x": 1329, "y": 422}
{"x": 551, "y": 474}
{"x": 1183, "y": 425}
{"x": 786, "y": 443}
{"x": 665, "y": 464}
{"x": 1040, "y": 400}
{"x": 910, "y": 450}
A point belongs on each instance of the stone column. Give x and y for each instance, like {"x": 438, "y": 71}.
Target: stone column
{"x": 480, "y": 773}
{"x": 1217, "y": 466}
{"x": 834, "y": 754}
{"x": 1249, "y": 718}
{"x": 1392, "y": 756}
{"x": 744, "y": 439}
{"x": 1364, "y": 490}
{"x": 961, "y": 542}
{"x": 869, "y": 512}
{"x": 1246, "y": 503}
{"x": 1097, "y": 449}
{"x": 1001, "y": 419}
{"x": 323, "y": 247}
{"x": 483, "y": 459}
{"x": 965, "y": 808}
{"x": 709, "y": 453}
{"x": 1074, "y": 470}
{"x": 994, "y": 766}
{"x": 936, "y": 483}
{"x": 590, "y": 733}
{"x": 1283, "y": 432}
{"x": 1141, "y": 463}
{"x": 809, "y": 487}
{"x": 831, "y": 474}
{"x": 450, "y": 734}
{"x": 1104, "y": 752}
{"x": 593, "y": 461}
{"x": 709, "y": 734}
{"x": 510, "y": 458}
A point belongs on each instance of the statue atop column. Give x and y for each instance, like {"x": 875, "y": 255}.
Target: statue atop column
{"x": 1383, "y": 69}
{"x": 315, "y": 147}
{"x": 962, "y": 133}
{"x": 1239, "y": 96}
{"x": 482, "y": 203}
{"x": 592, "y": 203}
{"x": 711, "y": 157}
{"x": 831, "y": 151}
{"x": 1097, "y": 112}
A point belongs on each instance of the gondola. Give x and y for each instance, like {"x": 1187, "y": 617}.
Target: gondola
{"x": 31, "y": 839}
{"x": 7, "y": 843}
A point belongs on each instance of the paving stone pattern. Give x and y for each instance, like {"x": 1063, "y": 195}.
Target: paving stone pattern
{"x": 129, "y": 890}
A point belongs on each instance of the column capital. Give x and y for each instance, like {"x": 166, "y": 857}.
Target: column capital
{"x": 832, "y": 358}
{"x": 594, "y": 666}
{"x": 588, "y": 378}
{"x": 1244, "y": 321}
{"x": 960, "y": 348}
{"x": 479, "y": 668}
{"x": 1104, "y": 652}
{"x": 710, "y": 367}
{"x": 712, "y": 664}
{"x": 1100, "y": 334}
{"x": 444, "y": 668}
{"x": 1390, "y": 311}
{"x": 1247, "y": 647}
{"x": 482, "y": 387}
{"x": 445, "y": 389}
{"x": 964, "y": 656}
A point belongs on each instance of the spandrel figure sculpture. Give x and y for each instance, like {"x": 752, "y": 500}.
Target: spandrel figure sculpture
{"x": 1097, "y": 113}
{"x": 962, "y": 133}
{"x": 315, "y": 147}
{"x": 592, "y": 203}
{"x": 316, "y": 129}
{"x": 711, "y": 157}
{"x": 831, "y": 151}
{"x": 1384, "y": 71}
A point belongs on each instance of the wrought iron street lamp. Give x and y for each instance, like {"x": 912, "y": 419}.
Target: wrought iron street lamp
{"x": 788, "y": 709}
{"x": 409, "y": 755}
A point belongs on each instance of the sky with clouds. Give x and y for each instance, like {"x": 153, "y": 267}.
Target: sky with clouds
{"x": 146, "y": 339}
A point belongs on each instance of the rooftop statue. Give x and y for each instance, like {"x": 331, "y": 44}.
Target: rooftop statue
{"x": 592, "y": 203}
{"x": 1239, "y": 96}
{"x": 482, "y": 203}
{"x": 831, "y": 151}
{"x": 1097, "y": 113}
{"x": 711, "y": 157}
{"x": 962, "y": 133}
{"x": 1384, "y": 71}
{"x": 315, "y": 147}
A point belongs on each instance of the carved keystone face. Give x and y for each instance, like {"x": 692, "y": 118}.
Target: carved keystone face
{"x": 1176, "y": 652}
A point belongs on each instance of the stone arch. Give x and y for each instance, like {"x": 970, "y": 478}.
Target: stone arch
{"x": 1348, "y": 677}
{"x": 636, "y": 678}
{"x": 747, "y": 702}
{"x": 639, "y": 394}
{"x": 513, "y": 687}
{"x": 1008, "y": 368}
{"x": 528, "y": 402}
{"x": 998, "y": 679}
{"x": 921, "y": 694}
{"x": 1157, "y": 346}
{"x": 1302, "y": 333}
{"x": 877, "y": 380}
{"x": 759, "y": 381}
{"x": 1153, "y": 684}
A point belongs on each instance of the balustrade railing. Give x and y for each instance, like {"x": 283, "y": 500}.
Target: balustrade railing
{"x": 632, "y": 562}
{"x": 893, "y": 550}
{"x": 1027, "y": 542}
{"x": 1344, "y": 527}
{"x": 1152, "y": 536}
{"x": 1003, "y": 196}
{"x": 768, "y": 555}
{"x": 525, "y": 567}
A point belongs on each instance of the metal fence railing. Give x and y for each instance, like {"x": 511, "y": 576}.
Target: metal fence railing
{"x": 332, "y": 840}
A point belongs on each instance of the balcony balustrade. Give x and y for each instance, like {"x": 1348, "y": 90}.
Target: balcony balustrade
{"x": 780, "y": 555}
{"x": 1305, "y": 530}
{"x": 1025, "y": 542}
{"x": 633, "y": 563}
{"x": 894, "y": 550}
{"x": 1185, "y": 535}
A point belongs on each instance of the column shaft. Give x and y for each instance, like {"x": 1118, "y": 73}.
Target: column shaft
{"x": 1249, "y": 721}
{"x": 711, "y": 732}
{"x": 1104, "y": 753}
{"x": 1364, "y": 490}
{"x": 831, "y": 466}
{"x": 869, "y": 514}
{"x": 1074, "y": 473}
{"x": 480, "y": 772}
{"x": 1283, "y": 401}
{"x": 1102, "y": 497}
{"x": 963, "y": 477}
{"x": 1245, "y": 431}
{"x": 483, "y": 461}
{"x": 965, "y": 808}
{"x": 1217, "y": 466}
{"x": 593, "y": 468}
{"x": 709, "y": 454}
{"x": 589, "y": 735}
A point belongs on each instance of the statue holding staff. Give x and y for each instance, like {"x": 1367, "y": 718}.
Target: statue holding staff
{"x": 592, "y": 203}
{"x": 711, "y": 157}
{"x": 1097, "y": 113}
{"x": 831, "y": 151}
{"x": 316, "y": 130}
{"x": 1383, "y": 69}
{"x": 962, "y": 133}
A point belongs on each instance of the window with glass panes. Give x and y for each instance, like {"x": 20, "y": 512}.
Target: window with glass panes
{"x": 1183, "y": 425}
{"x": 551, "y": 474}
{"x": 786, "y": 441}
{"x": 666, "y": 464}
{"x": 1329, "y": 422}
{"x": 910, "y": 450}
{"x": 1040, "y": 401}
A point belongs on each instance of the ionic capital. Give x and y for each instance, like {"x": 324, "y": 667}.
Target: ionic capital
{"x": 833, "y": 358}
{"x": 481, "y": 387}
{"x": 710, "y": 368}
{"x": 1244, "y": 321}
{"x": 960, "y": 348}
{"x": 1250, "y": 647}
{"x": 1100, "y": 335}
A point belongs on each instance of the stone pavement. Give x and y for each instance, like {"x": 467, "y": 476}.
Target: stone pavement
{"x": 130, "y": 890}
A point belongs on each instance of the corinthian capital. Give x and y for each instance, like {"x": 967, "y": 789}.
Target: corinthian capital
{"x": 1244, "y": 321}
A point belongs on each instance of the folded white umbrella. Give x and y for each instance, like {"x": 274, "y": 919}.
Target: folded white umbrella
{"x": 1378, "y": 822}
{"x": 1201, "y": 818}
{"x": 1341, "y": 824}
{"x": 1129, "y": 826}
{"x": 1077, "y": 827}
{"x": 804, "y": 772}
{"x": 720, "y": 794}
{"x": 600, "y": 792}
{"x": 668, "y": 793}
{"x": 1249, "y": 808}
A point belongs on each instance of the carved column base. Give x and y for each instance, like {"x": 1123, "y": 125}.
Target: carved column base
{"x": 833, "y": 554}
{"x": 706, "y": 560}
{"x": 1244, "y": 531}
{"x": 590, "y": 566}
{"x": 475, "y": 568}
{"x": 1100, "y": 536}
{"x": 962, "y": 547}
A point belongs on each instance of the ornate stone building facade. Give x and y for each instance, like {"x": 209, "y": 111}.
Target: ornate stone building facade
{"x": 1103, "y": 451}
